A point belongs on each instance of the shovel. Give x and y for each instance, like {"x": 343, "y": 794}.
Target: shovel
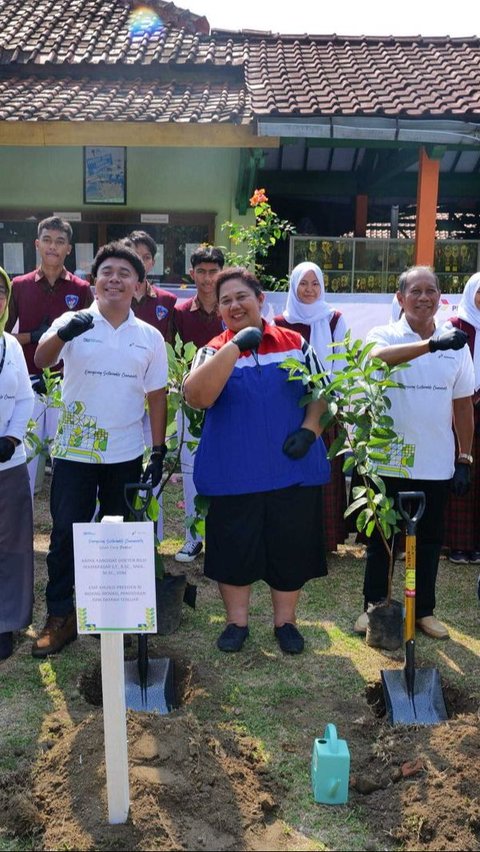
{"x": 149, "y": 684}
{"x": 412, "y": 697}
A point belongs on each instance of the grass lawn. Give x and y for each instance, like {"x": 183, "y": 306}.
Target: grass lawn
{"x": 264, "y": 710}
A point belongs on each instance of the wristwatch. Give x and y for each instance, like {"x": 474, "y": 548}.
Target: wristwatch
{"x": 465, "y": 457}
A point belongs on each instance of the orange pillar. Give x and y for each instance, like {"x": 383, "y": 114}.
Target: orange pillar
{"x": 361, "y": 214}
{"x": 427, "y": 195}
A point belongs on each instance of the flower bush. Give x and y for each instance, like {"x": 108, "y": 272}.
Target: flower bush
{"x": 257, "y": 240}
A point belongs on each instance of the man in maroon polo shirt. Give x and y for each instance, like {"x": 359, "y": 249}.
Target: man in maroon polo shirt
{"x": 37, "y": 299}
{"x": 151, "y": 304}
{"x": 196, "y": 320}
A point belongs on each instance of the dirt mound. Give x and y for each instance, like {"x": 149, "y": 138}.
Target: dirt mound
{"x": 418, "y": 785}
{"x": 195, "y": 786}
{"x": 188, "y": 790}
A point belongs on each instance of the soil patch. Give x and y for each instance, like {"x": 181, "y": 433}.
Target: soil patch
{"x": 194, "y": 786}
{"x": 189, "y": 789}
{"x": 417, "y": 785}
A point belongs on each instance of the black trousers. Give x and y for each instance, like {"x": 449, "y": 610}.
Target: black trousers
{"x": 73, "y": 498}
{"x": 429, "y": 541}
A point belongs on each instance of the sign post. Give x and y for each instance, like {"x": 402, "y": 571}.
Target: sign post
{"x": 115, "y": 593}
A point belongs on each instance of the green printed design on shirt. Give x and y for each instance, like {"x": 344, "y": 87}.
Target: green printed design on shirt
{"x": 401, "y": 461}
{"x": 78, "y": 438}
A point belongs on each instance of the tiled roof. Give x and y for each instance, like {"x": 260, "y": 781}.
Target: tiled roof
{"x": 321, "y": 75}
{"x": 100, "y": 31}
{"x": 36, "y": 98}
{"x": 290, "y": 76}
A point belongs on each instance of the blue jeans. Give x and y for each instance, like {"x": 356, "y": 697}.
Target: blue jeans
{"x": 429, "y": 540}
{"x": 73, "y": 498}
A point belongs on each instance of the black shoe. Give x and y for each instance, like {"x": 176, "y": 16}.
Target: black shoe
{"x": 232, "y": 638}
{"x": 289, "y": 638}
{"x": 6, "y": 645}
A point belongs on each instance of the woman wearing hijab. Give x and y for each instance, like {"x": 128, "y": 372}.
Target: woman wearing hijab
{"x": 463, "y": 513}
{"x": 320, "y": 325}
{"x": 16, "y": 519}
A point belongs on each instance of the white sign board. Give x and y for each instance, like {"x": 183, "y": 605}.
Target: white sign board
{"x": 13, "y": 258}
{"x": 115, "y": 577}
{"x": 83, "y": 257}
{"x": 158, "y": 267}
{"x": 158, "y": 218}
{"x": 190, "y": 248}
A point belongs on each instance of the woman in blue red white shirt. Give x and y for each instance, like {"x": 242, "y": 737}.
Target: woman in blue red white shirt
{"x": 259, "y": 462}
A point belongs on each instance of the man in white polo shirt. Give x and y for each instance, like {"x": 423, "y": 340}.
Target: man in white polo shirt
{"x": 112, "y": 361}
{"x": 437, "y": 394}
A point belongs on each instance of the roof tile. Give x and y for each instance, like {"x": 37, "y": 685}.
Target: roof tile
{"x": 101, "y": 99}
{"x": 305, "y": 75}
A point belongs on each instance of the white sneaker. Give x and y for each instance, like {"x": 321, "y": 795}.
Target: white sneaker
{"x": 189, "y": 551}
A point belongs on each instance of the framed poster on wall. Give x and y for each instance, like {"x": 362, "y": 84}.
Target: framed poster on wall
{"x": 104, "y": 175}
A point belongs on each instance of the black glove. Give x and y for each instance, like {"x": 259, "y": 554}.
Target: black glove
{"x": 298, "y": 443}
{"x": 154, "y": 468}
{"x": 79, "y": 323}
{"x": 38, "y": 383}
{"x": 460, "y": 483}
{"x": 248, "y": 338}
{"x": 454, "y": 339}
{"x": 36, "y": 334}
{"x": 7, "y": 449}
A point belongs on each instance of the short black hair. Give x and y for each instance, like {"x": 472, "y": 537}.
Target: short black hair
{"x": 118, "y": 249}
{"x": 403, "y": 278}
{"x": 241, "y": 272}
{"x": 137, "y": 237}
{"x": 54, "y": 223}
{"x": 207, "y": 254}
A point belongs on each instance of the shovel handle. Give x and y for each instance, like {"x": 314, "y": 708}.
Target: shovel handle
{"x": 138, "y": 512}
{"x": 410, "y": 558}
{"x": 411, "y": 520}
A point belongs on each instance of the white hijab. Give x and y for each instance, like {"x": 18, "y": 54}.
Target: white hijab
{"x": 468, "y": 311}
{"x": 317, "y": 315}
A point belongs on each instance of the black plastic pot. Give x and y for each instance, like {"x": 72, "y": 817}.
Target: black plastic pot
{"x": 385, "y": 625}
{"x": 169, "y": 594}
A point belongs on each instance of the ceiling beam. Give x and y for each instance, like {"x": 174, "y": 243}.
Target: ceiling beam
{"x": 310, "y": 185}
{"x": 131, "y": 133}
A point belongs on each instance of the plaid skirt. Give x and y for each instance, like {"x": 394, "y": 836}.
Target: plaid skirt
{"x": 334, "y": 498}
{"x": 462, "y": 516}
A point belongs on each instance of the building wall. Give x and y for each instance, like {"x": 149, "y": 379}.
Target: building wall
{"x": 158, "y": 180}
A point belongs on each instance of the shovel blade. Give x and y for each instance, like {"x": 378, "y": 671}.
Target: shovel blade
{"x": 157, "y": 694}
{"x": 424, "y": 705}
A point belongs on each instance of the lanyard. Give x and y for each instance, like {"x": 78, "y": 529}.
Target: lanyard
{"x": 3, "y": 353}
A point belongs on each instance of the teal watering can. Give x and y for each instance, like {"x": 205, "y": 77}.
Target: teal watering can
{"x": 330, "y": 768}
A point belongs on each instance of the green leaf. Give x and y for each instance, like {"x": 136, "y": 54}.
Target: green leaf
{"x": 358, "y": 491}
{"x": 153, "y": 509}
{"x": 357, "y": 504}
{"x": 338, "y": 444}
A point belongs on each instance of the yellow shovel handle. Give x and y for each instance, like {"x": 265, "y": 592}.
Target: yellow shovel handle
{"x": 410, "y": 563}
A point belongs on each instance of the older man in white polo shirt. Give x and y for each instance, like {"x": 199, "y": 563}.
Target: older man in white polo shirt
{"x": 112, "y": 361}
{"x": 437, "y": 394}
